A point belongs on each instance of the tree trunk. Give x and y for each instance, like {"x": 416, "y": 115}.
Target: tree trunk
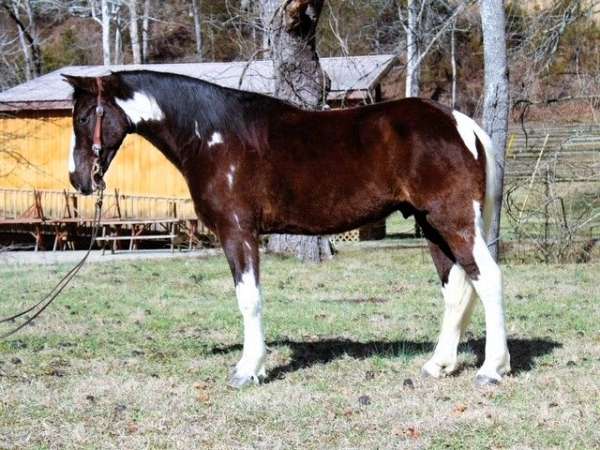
{"x": 134, "y": 33}
{"x": 105, "y": 33}
{"x": 453, "y": 63}
{"x": 28, "y": 38}
{"x": 146, "y": 31}
{"x": 196, "y": 5}
{"x": 291, "y": 31}
{"x": 496, "y": 99}
{"x": 413, "y": 50}
{"x": 34, "y": 40}
{"x": 25, "y": 49}
{"x": 118, "y": 53}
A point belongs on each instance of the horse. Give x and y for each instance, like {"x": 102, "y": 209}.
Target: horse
{"x": 256, "y": 165}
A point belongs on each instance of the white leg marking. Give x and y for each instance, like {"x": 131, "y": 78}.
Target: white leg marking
{"x": 249, "y": 301}
{"x": 489, "y": 289}
{"x": 216, "y": 138}
{"x": 458, "y": 300}
{"x": 72, "y": 154}
{"x": 141, "y": 107}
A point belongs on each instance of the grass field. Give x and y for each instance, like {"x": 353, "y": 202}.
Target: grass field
{"x": 137, "y": 354}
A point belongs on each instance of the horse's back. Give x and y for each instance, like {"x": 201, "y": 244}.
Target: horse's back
{"x": 358, "y": 164}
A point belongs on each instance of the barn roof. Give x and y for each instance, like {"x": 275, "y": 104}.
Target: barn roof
{"x": 351, "y": 77}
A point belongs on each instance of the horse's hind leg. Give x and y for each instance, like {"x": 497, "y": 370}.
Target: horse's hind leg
{"x": 458, "y": 305}
{"x": 487, "y": 281}
{"x": 471, "y": 252}
{"x": 241, "y": 250}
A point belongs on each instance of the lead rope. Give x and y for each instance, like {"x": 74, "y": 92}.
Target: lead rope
{"x": 64, "y": 282}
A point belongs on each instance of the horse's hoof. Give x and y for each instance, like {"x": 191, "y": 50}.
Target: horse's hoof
{"x": 425, "y": 373}
{"x": 240, "y": 381}
{"x": 484, "y": 380}
{"x": 432, "y": 370}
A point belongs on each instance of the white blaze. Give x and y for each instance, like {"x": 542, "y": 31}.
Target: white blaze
{"x": 142, "y": 107}
{"x": 216, "y": 138}
{"x": 72, "y": 154}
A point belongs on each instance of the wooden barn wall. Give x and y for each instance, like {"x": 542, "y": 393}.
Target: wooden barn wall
{"x": 35, "y": 151}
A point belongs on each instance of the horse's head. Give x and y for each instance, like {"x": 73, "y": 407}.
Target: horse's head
{"x": 99, "y": 127}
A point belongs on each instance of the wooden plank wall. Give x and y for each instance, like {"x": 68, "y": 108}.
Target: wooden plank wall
{"x": 39, "y": 144}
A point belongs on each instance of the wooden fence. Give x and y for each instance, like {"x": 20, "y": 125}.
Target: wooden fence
{"x": 574, "y": 149}
{"x": 552, "y": 190}
{"x": 16, "y": 203}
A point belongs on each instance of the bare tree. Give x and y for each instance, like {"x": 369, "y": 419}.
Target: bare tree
{"x": 146, "y": 31}
{"x": 496, "y": 98}
{"x": 136, "y": 50}
{"x": 105, "y": 33}
{"x": 196, "y": 5}
{"x": 414, "y": 12}
{"x": 28, "y": 35}
{"x": 424, "y": 26}
{"x": 291, "y": 30}
{"x": 453, "y": 64}
{"x": 118, "y": 20}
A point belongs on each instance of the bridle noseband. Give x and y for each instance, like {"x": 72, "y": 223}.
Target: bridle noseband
{"x": 97, "y": 143}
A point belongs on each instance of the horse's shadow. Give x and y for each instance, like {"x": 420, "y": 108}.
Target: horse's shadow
{"x": 306, "y": 354}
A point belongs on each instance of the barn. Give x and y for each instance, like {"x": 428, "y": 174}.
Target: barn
{"x": 35, "y": 133}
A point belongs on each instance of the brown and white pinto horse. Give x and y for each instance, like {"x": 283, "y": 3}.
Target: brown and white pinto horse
{"x": 258, "y": 165}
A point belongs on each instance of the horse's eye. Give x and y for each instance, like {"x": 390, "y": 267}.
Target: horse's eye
{"x": 83, "y": 120}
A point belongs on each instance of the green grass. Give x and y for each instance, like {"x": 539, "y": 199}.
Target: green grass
{"x": 137, "y": 354}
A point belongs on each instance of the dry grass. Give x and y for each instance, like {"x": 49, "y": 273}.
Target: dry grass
{"x": 136, "y": 355}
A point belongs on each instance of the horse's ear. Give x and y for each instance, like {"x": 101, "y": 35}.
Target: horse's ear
{"x": 81, "y": 84}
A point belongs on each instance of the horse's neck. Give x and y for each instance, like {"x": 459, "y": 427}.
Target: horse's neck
{"x": 178, "y": 118}
{"x": 162, "y": 138}
{"x": 153, "y": 120}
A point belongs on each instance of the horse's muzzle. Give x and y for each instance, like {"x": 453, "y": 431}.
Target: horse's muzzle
{"x": 83, "y": 187}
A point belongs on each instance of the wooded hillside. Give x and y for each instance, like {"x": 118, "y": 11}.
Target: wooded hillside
{"x": 553, "y": 44}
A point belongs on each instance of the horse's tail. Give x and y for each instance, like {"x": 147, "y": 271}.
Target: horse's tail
{"x": 471, "y": 132}
{"x": 492, "y": 187}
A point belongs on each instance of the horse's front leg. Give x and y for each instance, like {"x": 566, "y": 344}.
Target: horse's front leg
{"x": 241, "y": 250}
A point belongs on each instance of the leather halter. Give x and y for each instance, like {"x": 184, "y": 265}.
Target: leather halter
{"x": 96, "y": 173}
{"x": 97, "y": 142}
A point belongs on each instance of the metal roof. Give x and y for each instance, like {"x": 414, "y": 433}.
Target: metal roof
{"x": 351, "y": 77}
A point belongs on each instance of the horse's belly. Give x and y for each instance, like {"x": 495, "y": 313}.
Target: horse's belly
{"x": 329, "y": 212}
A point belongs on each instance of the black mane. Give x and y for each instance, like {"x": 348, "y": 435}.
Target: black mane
{"x": 192, "y": 104}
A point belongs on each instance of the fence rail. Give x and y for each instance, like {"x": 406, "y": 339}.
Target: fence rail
{"x": 17, "y": 203}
